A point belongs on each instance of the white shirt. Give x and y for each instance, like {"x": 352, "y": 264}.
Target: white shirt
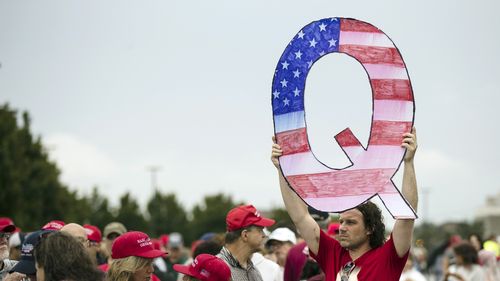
{"x": 413, "y": 275}
{"x": 269, "y": 270}
{"x": 475, "y": 273}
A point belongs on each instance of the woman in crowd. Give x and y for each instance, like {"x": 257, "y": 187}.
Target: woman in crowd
{"x": 59, "y": 256}
{"x": 486, "y": 259}
{"x": 133, "y": 254}
{"x": 467, "y": 267}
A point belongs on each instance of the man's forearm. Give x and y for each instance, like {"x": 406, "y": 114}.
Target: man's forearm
{"x": 296, "y": 208}
{"x": 403, "y": 228}
{"x": 410, "y": 184}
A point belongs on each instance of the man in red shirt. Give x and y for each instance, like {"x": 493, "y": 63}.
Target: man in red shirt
{"x": 361, "y": 252}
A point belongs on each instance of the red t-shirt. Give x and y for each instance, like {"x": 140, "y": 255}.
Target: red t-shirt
{"x": 104, "y": 267}
{"x": 379, "y": 264}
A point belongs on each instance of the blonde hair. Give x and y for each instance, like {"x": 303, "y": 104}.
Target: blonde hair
{"x": 123, "y": 269}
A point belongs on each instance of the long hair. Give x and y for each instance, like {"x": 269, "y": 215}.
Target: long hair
{"x": 467, "y": 252}
{"x": 123, "y": 269}
{"x": 372, "y": 217}
{"x": 62, "y": 257}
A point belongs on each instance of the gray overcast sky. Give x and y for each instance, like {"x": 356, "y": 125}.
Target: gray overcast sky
{"x": 116, "y": 86}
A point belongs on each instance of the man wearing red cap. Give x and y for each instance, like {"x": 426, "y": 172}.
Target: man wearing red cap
{"x": 245, "y": 235}
{"x": 7, "y": 227}
{"x": 205, "y": 267}
{"x": 95, "y": 237}
{"x": 54, "y": 225}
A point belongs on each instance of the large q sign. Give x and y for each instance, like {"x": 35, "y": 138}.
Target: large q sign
{"x": 372, "y": 168}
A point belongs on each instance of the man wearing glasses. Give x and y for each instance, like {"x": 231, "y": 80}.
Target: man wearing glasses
{"x": 7, "y": 227}
{"x": 245, "y": 236}
{"x": 361, "y": 252}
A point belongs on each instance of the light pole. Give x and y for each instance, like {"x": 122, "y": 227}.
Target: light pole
{"x": 154, "y": 170}
{"x": 425, "y": 204}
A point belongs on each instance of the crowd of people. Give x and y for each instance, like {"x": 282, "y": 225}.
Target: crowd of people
{"x": 356, "y": 247}
{"x": 60, "y": 251}
{"x": 247, "y": 251}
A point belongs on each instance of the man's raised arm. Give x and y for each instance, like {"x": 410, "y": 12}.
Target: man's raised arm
{"x": 297, "y": 209}
{"x": 403, "y": 228}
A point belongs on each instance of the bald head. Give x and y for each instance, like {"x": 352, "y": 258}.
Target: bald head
{"x": 76, "y": 231}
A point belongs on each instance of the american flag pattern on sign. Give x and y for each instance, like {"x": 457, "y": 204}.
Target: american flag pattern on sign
{"x": 337, "y": 190}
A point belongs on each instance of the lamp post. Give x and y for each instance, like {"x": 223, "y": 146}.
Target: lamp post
{"x": 153, "y": 169}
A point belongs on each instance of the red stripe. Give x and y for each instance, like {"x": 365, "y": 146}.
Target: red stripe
{"x": 388, "y": 132}
{"x": 392, "y": 89}
{"x": 347, "y": 138}
{"x": 359, "y": 26}
{"x": 294, "y": 141}
{"x": 374, "y": 55}
{"x": 341, "y": 183}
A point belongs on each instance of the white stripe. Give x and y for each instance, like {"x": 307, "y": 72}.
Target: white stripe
{"x": 393, "y": 110}
{"x": 376, "y": 157}
{"x": 353, "y": 151}
{"x": 289, "y": 121}
{"x": 385, "y": 71}
{"x": 337, "y": 204}
{"x": 397, "y": 205}
{"x": 301, "y": 163}
{"x": 365, "y": 39}
{"x": 393, "y": 201}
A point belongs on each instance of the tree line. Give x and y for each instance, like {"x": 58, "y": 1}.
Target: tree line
{"x": 32, "y": 194}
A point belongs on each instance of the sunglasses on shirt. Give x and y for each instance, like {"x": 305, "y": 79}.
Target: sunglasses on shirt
{"x": 346, "y": 271}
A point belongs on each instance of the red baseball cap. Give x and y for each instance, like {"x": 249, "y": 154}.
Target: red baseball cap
{"x": 164, "y": 239}
{"x": 93, "y": 232}
{"x": 206, "y": 267}
{"x": 53, "y": 225}
{"x": 156, "y": 244}
{"x": 134, "y": 243}
{"x": 7, "y": 225}
{"x": 333, "y": 228}
{"x": 245, "y": 215}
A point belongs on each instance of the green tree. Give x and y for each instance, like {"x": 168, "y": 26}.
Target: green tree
{"x": 166, "y": 214}
{"x": 431, "y": 234}
{"x": 30, "y": 189}
{"x": 280, "y": 215}
{"x": 130, "y": 214}
{"x": 210, "y": 215}
{"x": 434, "y": 235}
{"x": 100, "y": 213}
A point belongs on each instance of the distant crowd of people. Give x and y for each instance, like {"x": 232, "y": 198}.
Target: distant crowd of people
{"x": 456, "y": 258}
{"x": 356, "y": 247}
